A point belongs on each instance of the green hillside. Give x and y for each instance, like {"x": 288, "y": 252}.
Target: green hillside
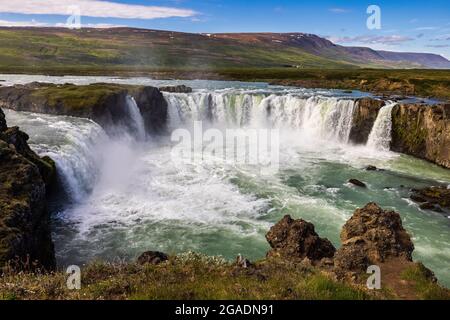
{"x": 44, "y": 49}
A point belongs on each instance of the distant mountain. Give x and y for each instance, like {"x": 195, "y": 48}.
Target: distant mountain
{"x": 359, "y": 55}
{"x": 138, "y": 49}
{"x": 432, "y": 61}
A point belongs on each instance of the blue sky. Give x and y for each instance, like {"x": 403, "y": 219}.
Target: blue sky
{"x": 417, "y": 26}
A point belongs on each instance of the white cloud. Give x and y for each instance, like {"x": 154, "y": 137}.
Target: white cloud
{"x": 92, "y": 25}
{"x": 34, "y": 23}
{"x": 92, "y": 8}
{"x": 426, "y": 28}
{"x": 387, "y": 40}
{"x": 339, "y": 10}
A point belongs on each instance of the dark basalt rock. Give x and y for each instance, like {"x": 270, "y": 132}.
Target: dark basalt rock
{"x": 176, "y": 89}
{"x": 18, "y": 139}
{"x": 297, "y": 239}
{"x": 25, "y": 235}
{"x": 153, "y": 108}
{"x": 432, "y": 198}
{"x": 422, "y": 131}
{"x": 364, "y": 116}
{"x": 357, "y": 183}
{"x": 3, "y": 126}
{"x": 152, "y": 257}
{"x": 371, "y": 168}
{"x": 372, "y": 236}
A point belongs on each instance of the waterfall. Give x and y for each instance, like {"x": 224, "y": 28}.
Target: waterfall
{"x": 137, "y": 124}
{"x": 73, "y": 143}
{"x": 316, "y": 116}
{"x": 78, "y": 160}
{"x": 380, "y": 137}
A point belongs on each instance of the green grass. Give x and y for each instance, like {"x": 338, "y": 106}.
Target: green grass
{"x": 426, "y": 289}
{"x": 188, "y": 276}
{"x": 77, "y": 97}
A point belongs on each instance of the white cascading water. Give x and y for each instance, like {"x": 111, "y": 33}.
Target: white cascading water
{"x": 317, "y": 117}
{"x": 72, "y": 143}
{"x": 137, "y": 119}
{"x": 381, "y": 135}
{"x": 79, "y": 146}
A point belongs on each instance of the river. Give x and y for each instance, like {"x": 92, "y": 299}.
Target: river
{"x": 124, "y": 195}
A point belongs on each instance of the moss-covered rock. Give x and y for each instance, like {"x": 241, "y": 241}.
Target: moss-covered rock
{"x": 104, "y": 103}
{"x": 18, "y": 140}
{"x": 432, "y": 198}
{"x": 422, "y": 131}
{"x": 25, "y": 235}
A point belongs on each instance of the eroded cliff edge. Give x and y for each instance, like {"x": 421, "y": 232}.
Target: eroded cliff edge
{"x": 422, "y": 131}
{"x": 106, "y": 104}
{"x": 419, "y": 130}
{"x": 25, "y": 235}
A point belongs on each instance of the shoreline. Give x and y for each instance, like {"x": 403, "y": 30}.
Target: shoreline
{"x": 420, "y": 83}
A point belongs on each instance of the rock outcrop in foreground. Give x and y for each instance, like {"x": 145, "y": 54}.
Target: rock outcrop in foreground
{"x": 297, "y": 239}
{"x": 372, "y": 236}
{"x": 25, "y": 235}
{"x": 106, "y": 104}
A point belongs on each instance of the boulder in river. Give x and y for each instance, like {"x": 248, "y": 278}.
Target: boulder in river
{"x": 432, "y": 198}
{"x": 357, "y": 183}
{"x": 297, "y": 239}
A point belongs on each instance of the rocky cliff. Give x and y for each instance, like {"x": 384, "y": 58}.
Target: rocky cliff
{"x": 419, "y": 130}
{"x": 106, "y": 104}
{"x": 25, "y": 235}
{"x": 422, "y": 131}
{"x": 364, "y": 117}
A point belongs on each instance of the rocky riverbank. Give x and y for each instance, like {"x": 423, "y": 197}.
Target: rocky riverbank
{"x": 25, "y": 236}
{"x": 435, "y": 198}
{"x": 300, "y": 265}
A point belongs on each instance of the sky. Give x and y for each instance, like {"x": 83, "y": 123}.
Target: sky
{"x": 405, "y": 25}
